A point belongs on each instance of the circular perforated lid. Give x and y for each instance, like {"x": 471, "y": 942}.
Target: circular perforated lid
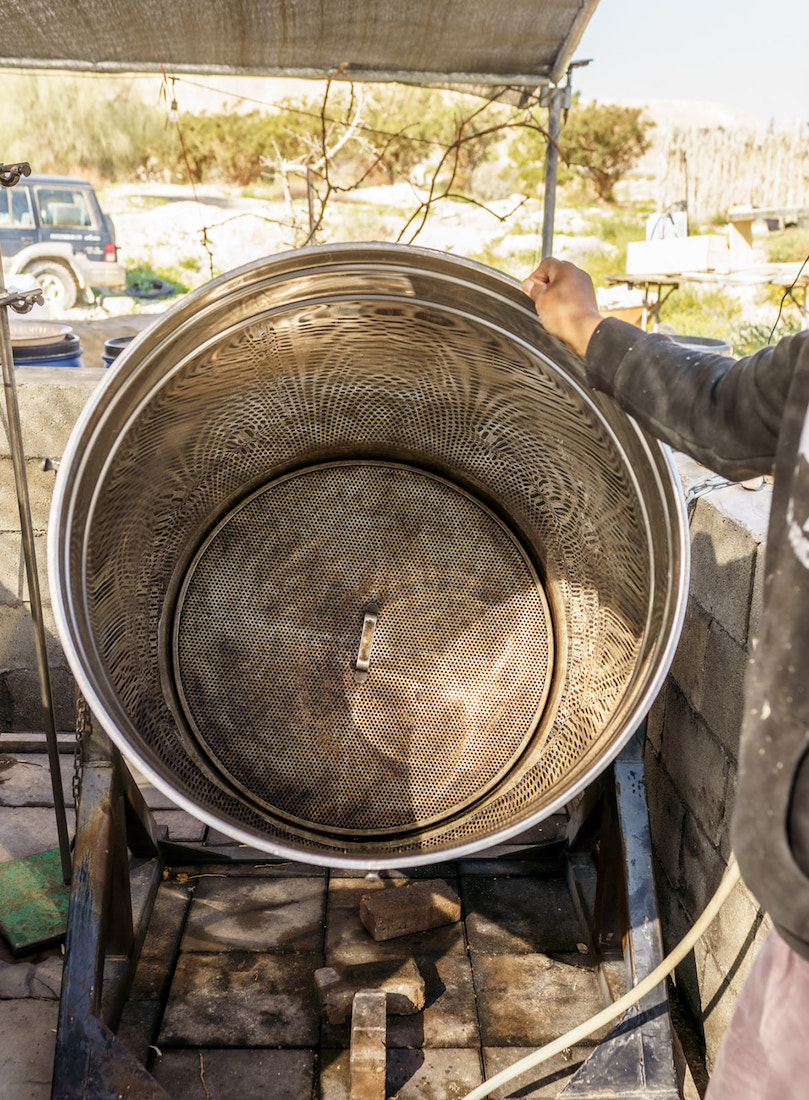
{"x": 361, "y": 646}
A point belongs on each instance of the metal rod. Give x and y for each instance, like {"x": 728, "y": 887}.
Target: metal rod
{"x": 29, "y": 554}
{"x": 555, "y": 102}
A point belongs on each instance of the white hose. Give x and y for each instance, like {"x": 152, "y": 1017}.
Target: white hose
{"x": 637, "y": 993}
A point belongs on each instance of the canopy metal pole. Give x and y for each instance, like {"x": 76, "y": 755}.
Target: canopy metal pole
{"x": 554, "y": 100}
{"x": 23, "y": 303}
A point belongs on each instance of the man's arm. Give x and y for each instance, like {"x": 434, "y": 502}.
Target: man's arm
{"x": 726, "y": 413}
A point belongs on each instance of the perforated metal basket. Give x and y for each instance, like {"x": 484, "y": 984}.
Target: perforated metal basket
{"x": 345, "y": 560}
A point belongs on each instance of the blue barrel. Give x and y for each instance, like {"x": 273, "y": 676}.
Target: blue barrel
{"x": 64, "y": 352}
{"x": 113, "y": 348}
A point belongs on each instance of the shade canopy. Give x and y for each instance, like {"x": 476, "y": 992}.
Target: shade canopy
{"x": 513, "y": 42}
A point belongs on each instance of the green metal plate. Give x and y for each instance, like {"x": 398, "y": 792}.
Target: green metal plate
{"x": 33, "y": 901}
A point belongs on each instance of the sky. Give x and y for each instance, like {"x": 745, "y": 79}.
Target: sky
{"x": 749, "y": 55}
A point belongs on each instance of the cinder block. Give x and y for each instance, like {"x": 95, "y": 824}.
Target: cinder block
{"x": 687, "y": 668}
{"x": 703, "y": 867}
{"x": 736, "y": 934}
{"x": 13, "y": 574}
{"x": 718, "y": 995}
{"x": 399, "y": 979}
{"x": 50, "y": 402}
{"x": 756, "y": 600}
{"x": 724, "y": 542}
{"x": 666, "y": 817}
{"x": 656, "y": 720}
{"x": 697, "y": 764}
{"x": 724, "y": 671}
{"x": 406, "y": 909}
{"x": 367, "y": 1058}
{"x": 40, "y": 485}
{"x": 21, "y": 701}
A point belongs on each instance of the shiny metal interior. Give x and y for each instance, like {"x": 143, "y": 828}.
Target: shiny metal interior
{"x": 348, "y": 564}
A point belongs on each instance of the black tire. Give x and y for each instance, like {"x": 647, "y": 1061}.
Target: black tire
{"x": 58, "y": 285}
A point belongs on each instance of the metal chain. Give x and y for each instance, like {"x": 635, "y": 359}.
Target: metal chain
{"x": 84, "y": 721}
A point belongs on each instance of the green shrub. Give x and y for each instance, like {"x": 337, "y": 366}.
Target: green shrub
{"x": 788, "y": 245}
{"x": 83, "y": 125}
{"x": 745, "y": 337}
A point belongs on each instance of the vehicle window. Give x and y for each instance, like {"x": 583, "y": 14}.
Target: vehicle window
{"x": 5, "y": 215}
{"x": 21, "y": 213}
{"x": 62, "y": 207}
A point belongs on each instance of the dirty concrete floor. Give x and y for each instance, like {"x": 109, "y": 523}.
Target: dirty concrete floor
{"x": 223, "y": 1003}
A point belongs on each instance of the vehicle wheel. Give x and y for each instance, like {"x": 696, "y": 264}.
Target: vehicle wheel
{"x": 58, "y": 285}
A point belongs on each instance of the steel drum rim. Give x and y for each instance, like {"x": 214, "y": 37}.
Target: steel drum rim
{"x": 67, "y": 615}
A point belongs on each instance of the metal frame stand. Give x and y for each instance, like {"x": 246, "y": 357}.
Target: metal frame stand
{"x": 107, "y": 926}
{"x": 105, "y": 931}
{"x": 636, "y": 1060}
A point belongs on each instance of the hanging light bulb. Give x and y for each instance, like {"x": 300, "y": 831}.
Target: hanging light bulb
{"x": 174, "y": 114}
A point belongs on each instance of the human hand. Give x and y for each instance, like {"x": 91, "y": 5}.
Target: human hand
{"x": 565, "y": 301}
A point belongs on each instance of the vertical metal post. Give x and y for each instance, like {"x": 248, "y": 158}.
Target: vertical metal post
{"x": 554, "y": 100}
{"x": 636, "y": 1059}
{"x": 9, "y": 175}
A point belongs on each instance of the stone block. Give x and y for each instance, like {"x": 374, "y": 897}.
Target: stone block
{"x": 167, "y": 921}
{"x": 416, "y": 907}
{"x": 546, "y": 1080}
{"x": 526, "y": 1000}
{"x": 197, "y": 1074}
{"x": 399, "y": 979}
{"x": 656, "y": 720}
{"x": 257, "y": 914}
{"x": 181, "y": 827}
{"x": 719, "y": 994}
{"x": 138, "y": 1029}
{"x": 432, "y": 1074}
{"x": 757, "y": 598}
{"x": 508, "y": 915}
{"x": 25, "y": 779}
{"x": 411, "y": 1074}
{"x": 242, "y": 999}
{"x": 28, "y": 830}
{"x": 20, "y": 699}
{"x": 449, "y": 1016}
{"x": 28, "y": 1028}
{"x": 368, "y": 1049}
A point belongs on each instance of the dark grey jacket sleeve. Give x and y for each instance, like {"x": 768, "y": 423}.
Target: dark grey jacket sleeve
{"x": 725, "y": 413}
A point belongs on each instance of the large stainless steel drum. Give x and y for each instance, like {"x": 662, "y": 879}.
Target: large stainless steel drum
{"x": 345, "y": 560}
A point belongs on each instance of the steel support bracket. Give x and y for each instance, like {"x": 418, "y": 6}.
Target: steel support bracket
{"x": 104, "y": 933}
{"x": 636, "y": 1060}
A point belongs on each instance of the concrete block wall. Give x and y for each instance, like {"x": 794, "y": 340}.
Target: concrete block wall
{"x": 50, "y": 401}
{"x": 692, "y": 750}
